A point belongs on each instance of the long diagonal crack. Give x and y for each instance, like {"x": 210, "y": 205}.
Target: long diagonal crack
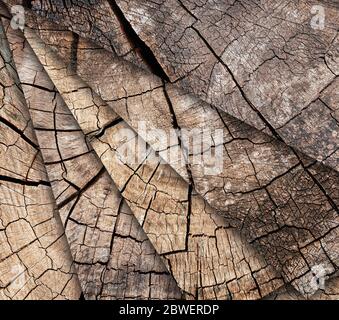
{"x": 97, "y": 222}
{"x": 289, "y": 178}
{"x": 151, "y": 178}
{"x": 282, "y": 189}
{"x": 35, "y": 261}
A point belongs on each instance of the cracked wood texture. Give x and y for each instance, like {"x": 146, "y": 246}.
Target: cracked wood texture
{"x": 258, "y": 72}
{"x": 35, "y": 260}
{"x": 112, "y": 256}
{"x": 251, "y": 57}
{"x": 330, "y": 292}
{"x": 257, "y": 207}
{"x": 261, "y": 61}
{"x": 171, "y": 217}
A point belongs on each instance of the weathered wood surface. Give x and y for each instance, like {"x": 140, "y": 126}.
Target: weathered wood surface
{"x": 271, "y": 64}
{"x": 283, "y": 201}
{"x": 329, "y": 292}
{"x": 35, "y": 260}
{"x": 270, "y": 207}
{"x": 94, "y": 20}
{"x": 208, "y": 260}
{"x": 112, "y": 255}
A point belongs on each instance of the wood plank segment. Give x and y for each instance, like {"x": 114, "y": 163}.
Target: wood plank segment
{"x": 112, "y": 255}
{"x": 35, "y": 260}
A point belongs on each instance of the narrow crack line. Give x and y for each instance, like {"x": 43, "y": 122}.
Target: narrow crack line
{"x": 113, "y": 237}
{"x": 68, "y": 218}
{"x": 317, "y": 98}
{"x": 187, "y": 10}
{"x": 147, "y": 210}
{"x": 167, "y": 254}
{"x": 58, "y": 130}
{"x": 24, "y": 182}
{"x": 189, "y": 212}
{"x": 178, "y": 129}
{"x": 137, "y": 44}
{"x": 243, "y": 94}
{"x": 38, "y": 87}
{"x": 168, "y": 265}
{"x": 73, "y": 185}
{"x": 140, "y": 93}
{"x": 199, "y": 280}
{"x": 68, "y": 159}
{"x": 83, "y": 189}
{"x": 56, "y": 134}
{"x": 74, "y": 52}
{"x": 135, "y": 172}
{"x": 254, "y": 278}
{"x": 102, "y": 131}
{"x": 170, "y": 105}
{"x": 117, "y": 222}
{"x": 19, "y": 132}
{"x": 315, "y": 180}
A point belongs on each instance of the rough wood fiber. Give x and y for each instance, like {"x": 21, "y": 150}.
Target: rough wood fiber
{"x": 35, "y": 260}
{"x": 112, "y": 255}
{"x": 215, "y": 263}
{"x": 267, "y": 206}
{"x": 261, "y": 177}
{"x": 265, "y": 62}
